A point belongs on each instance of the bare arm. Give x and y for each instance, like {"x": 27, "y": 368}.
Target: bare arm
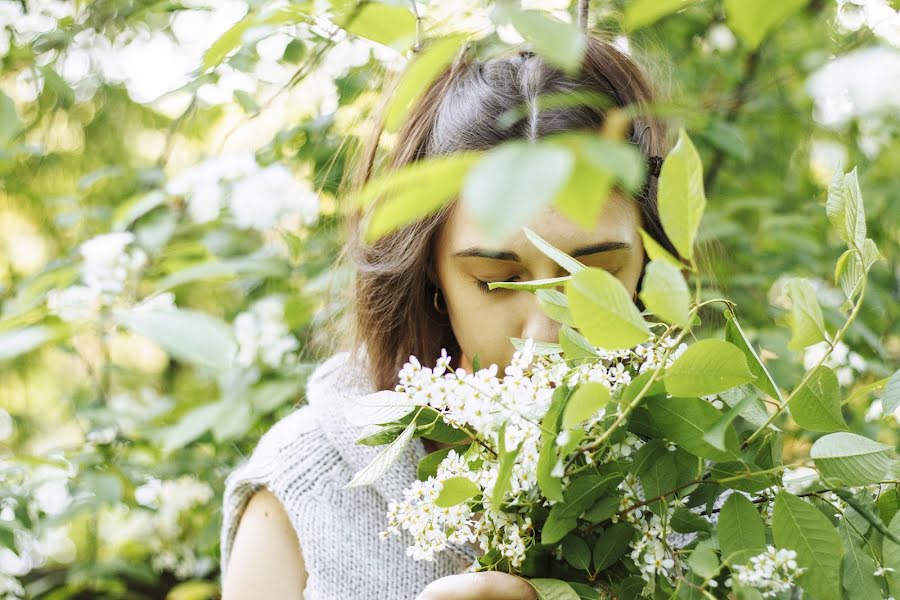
{"x": 265, "y": 561}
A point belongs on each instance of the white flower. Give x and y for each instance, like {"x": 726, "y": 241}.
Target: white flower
{"x": 771, "y": 572}
{"x": 74, "y": 303}
{"x": 261, "y": 333}
{"x": 860, "y": 83}
{"x": 720, "y": 38}
{"x": 52, "y": 497}
{"x": 107, "y": 262}
{"x": 203, "y": 183}
{"x": 261, "y": 200}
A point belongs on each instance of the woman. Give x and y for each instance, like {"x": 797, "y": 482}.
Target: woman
{"x": 290, "y": 528}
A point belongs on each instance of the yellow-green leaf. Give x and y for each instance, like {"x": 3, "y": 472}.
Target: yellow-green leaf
{"x": 603, "y": 310}
{"x": 681, "y": 197}
{"x": 665, "y": 292}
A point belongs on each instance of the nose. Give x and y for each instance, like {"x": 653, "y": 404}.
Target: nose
{"x": 539, "y": 326}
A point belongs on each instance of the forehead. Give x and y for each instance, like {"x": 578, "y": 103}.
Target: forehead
{"x": 618, "y": 222}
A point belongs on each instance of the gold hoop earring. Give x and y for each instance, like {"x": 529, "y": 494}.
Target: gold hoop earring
{"x": 434, "y": 300}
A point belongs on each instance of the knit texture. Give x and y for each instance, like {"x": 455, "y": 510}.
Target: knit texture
{"x": 304, "y": 460}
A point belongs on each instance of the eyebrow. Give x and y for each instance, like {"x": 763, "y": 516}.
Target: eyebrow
{"x": 512, "y": 256}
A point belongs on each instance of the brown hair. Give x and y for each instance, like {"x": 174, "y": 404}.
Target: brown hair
{"x": 393, "y": 312}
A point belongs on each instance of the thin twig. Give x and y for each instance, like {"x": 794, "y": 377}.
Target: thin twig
{"x": 584, "y": 9}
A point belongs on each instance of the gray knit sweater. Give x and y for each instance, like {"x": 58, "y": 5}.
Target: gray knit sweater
{"x": 304, "y": 460}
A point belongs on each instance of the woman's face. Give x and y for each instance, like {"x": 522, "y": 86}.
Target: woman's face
{"x": 483, "y": 320}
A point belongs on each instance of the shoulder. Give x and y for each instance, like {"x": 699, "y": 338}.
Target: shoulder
{"x": 266, "y": 557}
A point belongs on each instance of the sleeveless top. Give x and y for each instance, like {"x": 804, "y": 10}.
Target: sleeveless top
{"x": 304, "y": 460}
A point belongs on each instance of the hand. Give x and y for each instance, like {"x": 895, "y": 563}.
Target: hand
{"x": 487, "y": 585}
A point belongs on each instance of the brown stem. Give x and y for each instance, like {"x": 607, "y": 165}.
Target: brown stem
{"x": 584, "y": 8}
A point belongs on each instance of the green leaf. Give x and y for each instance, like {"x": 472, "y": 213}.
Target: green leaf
{"x": 686, "y": 420}
{"x": 580, "y": 495}
{"x": 890, "y": 397}
{"x": 612, "y": 544}
{"x": 16, "y": 342}
{"x": 531, "y": 173}
{"x": 553, "y": 253}
{"x": 529, "y": 286}
{"x": 851, "y": 459}
{"x": 734, "y": 333}
{"x": 381, "y": 463}
{"x": 584, "y": 403}
{"x": 189, "y": 335}
{"x": 716, "y": 434}
{"x": 707, "y": 367}
{"x": 227, "y": 42}
{"x": 844, "y": 207}
{"x": 641, "y": 13}
{"x": 552, "y": 589}
{"x": 665, "y": 292}
{"x": 817, "y": 405}
{"x": 428, "y": 466}
{"x": 551, "y": 487}
{"x": 456, "y": 490}
{"x": 555, "y": 305}
{"x": 506, "y": 461}
{"x": 684, "y": 520}
{"x": 752, "y": 20}
{"x": 575, "y": 346}
{"x": 891, "y": 555}
{"x": 681, "y": 197}
{"x": 10, "y": 124}
{"x": 561, "y": 43}
{"x": 414, "y": 192}
{"x": 805, "y": 318}
{"x": 741, "y": 531}
{"x": 858, "y": 568}
{"x": 192, "y": 425}
{"x": 740, "y": 476}
{"x": 575, "y": 551}
{"x": 422, "y": 71}
{"x": 387, "y": 24}
{"x": 540, "y": 348}
{"x": 655, "y": 251}
{"x": 703, "y": 560}
{"x": 800, "y": 527}
{"x": 658, "y": 474}
{"x": 603, "y": 310}
{"x": 602, "y": 510}
{"x": 377, "y": 408}
{"x": 224, "y": 269}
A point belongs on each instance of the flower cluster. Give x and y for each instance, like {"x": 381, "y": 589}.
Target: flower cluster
{"x": 262, "y": 334}
{"x": 257, "y": 197}
{"x": 108, "y": 263}
{"x": 771, "y": 572}
{"x": 488, "y": 405}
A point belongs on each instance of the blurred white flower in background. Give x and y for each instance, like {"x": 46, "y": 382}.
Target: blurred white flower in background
{"x": 262, "y": 199}
{"x": 860, "y": 85}
{"x": 261, "y": 333}
{"x": 202, "y": 183}
{"x": 109, "y": 262}
{"x": 878, "y": 15}
{"x": 845, "y": 363}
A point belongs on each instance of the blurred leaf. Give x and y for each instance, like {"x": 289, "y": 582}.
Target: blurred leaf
{"x": 752, "y": 20}
{"x": 421, "y": 73}
{"x": 388, "y": 24}
{"x": 805, "y": 319}
{"x": 17, "y": 342}
{"x": 561, "y": 43}
{"x": 9, "y": 119}
{"x": 189, "y": 335}
{"x": 641, "y": 13}
{"x": 532, "y": 174}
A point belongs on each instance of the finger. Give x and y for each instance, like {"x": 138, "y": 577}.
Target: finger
{"x": 489, "y": 585}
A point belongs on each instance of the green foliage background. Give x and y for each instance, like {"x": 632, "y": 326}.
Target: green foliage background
{"x": 102, "y": 408}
